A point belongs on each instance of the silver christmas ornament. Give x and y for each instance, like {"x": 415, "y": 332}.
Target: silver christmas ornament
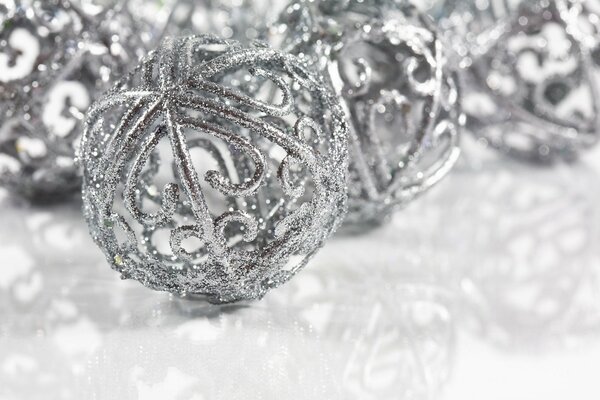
{"x": 385, "y": 61}
{"x": 529, "y": 73}
{"x": 55, "y": 58}
{"x": 214, "y": 169}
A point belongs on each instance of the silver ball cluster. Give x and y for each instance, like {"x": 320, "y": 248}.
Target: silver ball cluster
{"x": 215, "y": 169}
{"x": 56, "y": 57}
{"x": 529, "y": 73}
{"x": 385, "y": 61}
{"x": 242, "y": 20}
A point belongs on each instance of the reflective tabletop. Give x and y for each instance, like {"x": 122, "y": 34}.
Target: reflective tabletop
{"x": 485, "y": 288}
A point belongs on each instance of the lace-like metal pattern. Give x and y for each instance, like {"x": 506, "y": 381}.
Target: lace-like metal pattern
{"x": 236, "y": 157}
{"x": 385, "y": 61}
{"x": 530, "y": 85}
{"x": 55, "y": 58}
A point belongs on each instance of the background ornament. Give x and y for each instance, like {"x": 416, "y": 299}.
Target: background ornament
{"x": 385, "y": 61}
{"x": 195, "y": 183}
{"x": 529, "y": 73}
{"x": 55, "y": 58}
{"x": 242, "y": 20}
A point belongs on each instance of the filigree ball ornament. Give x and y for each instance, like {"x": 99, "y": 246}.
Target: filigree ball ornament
{"x": 242, "y": 20}
{"x": 251, "y": 186}
{"x": 55, "y": 58}
{"x": 529, "y": 74}
{"x": 384, "y": 60}
{"x": 524, "y": 253}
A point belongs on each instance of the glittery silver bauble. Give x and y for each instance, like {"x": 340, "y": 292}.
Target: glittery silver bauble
{"x": 251, "y": 188}
{"x": 55, "y": 58}
{"x": 529, "y": 73}
{"x": 385, "y": 61}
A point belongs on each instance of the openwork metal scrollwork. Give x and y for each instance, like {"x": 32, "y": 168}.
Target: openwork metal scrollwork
{"x": 235, "y": 157}
{"x": 385, "y": 61}
{"x": 530, "y": 79}
{"x": 55, "y": 59}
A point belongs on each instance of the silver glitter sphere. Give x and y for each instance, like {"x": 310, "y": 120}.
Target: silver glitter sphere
{"x": 55, "y": 58}
{"x": 384, "y": 60}
{"x": 197, "y": 182}
{"x": 529, "y": 73}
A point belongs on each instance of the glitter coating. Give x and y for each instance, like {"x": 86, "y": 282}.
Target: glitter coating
{"x": 529, "y": 74}
{"x": 385, "y": 61}
{"x": 235, "y": 156}
{"x": 56, "y": 57}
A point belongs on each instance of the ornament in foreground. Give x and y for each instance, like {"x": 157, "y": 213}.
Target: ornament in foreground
{"x": 55, "y": 58}
{"x": 385, "y": 61}
{"x": 215, "y": 169}
{"x": 529, "y": 74}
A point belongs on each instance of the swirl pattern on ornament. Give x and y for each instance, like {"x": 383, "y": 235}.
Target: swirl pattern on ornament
{"x": 266, "y": 187}
{"x": 55, "y": 59}
{"x": 386, "y": 62}
{"x": 537, "y": 77}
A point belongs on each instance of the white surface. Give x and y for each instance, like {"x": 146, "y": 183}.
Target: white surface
{"x": 487, "y": 288}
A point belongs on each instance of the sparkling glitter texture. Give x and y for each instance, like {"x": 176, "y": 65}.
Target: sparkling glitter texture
{"x": 384, "y": 59}
{"x": 529, "y": 73}
{"x": 215, "y": 169}
{"x": 55, "y": 58}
